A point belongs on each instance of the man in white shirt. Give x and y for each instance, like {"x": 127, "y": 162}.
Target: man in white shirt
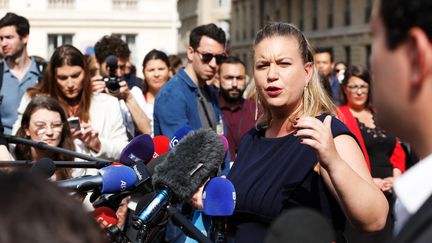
{"x": 402, "y": 67}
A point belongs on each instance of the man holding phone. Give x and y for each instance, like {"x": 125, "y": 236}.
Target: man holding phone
{"x": 131, "y": 100}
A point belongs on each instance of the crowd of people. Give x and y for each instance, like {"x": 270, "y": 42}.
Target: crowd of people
{"x": 314, "y": 132}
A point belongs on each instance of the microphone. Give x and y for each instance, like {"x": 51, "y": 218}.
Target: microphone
{"x": 139, "y": 149}
{"x": 161, "y": 145}
{"x": 43, "y": 167}
{"x": 300, "y": 225}
{"x": 225, "y": 143}
{"x": 110, "y": 179}
{"x": 219, "y": 200}
{"x": 179, "y": 135}
{"x": 105, "y": 217}
{"x": 185, "y": 168}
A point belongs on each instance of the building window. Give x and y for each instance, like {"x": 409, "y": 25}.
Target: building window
{"x": 314, "y": 14}
{"x": 61, "y": 4}
{"x": 302, "y": 13}
{"x": 368, "y": 54}
{"x": 330, "y": 14}
{"x": 347, "y": 12}
{"x": 236, "y": 16}
{"x": 277, "y": 9}
{"x": 252, "y": 25}
{"x": 4, "y": 4}
{"x": 130, "y": 40}
{"x": 368, "y": 10}
{"x": 223, "y": 3}
{"x": 124, "y": 4}
{"x": 56, "y": 40}
{"x": 348, "y": 54}
{"x": 244, "y": 14}
{"x": 265, "y": 17}
{"x": 289, "y": 10}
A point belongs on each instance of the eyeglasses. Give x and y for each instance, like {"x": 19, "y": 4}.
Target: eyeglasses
{"x": 356, "y": 88}
{"x": 42, "y": 127}
{"x": 207, "y": 57}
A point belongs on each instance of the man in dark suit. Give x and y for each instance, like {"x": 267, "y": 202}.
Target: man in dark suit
{"x": 402, "y": 66}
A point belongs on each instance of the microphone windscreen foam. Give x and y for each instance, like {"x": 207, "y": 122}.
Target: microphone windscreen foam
{"x": 193, "y": 160}
{"x": 117, "y": 178}
{"x": 179, "y": 135}
{"x": 43, "y": 167}
{"x": 300, "y": 225}
{"x": 219, "y": 197}
{"x": 139, "y": 149}
{"x": 105, "y": 217}
{"x": 161, "y": 145}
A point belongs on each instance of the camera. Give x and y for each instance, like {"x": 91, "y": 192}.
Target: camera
{"x": 112, "y": 81}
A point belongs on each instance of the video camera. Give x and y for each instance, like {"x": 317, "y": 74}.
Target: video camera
{"x": 112, "y": 81}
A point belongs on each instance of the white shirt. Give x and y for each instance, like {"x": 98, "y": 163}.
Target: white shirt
{"x": 412, "y": 189}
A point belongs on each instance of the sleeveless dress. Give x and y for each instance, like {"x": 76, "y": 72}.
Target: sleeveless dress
{"x": 274, "y": 174}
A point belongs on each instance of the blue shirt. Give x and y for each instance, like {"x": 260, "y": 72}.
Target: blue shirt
{"x": 12, "y": 91}
{"x": 176, "y": 105}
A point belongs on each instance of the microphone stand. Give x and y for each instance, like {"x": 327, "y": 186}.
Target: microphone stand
{"x": 186, "y": 226}
{"x": 44, "y": 146}
{"x": 59, "y": 164}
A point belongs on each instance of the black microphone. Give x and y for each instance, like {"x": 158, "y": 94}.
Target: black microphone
{"x": 300, "y": 225}
{"x": 43, "y": 167}
{"x": 219, "y": 199}
{"x": 192, "y": 161}
{"x": 44, "y": 146}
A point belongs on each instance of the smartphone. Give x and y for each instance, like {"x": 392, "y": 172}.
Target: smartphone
{"x": 74, "y": 122}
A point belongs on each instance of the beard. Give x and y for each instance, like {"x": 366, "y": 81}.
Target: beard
{"x": 225, "y": 93}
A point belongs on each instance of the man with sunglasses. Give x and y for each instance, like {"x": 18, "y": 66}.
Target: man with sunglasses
{"x": 186, "y": 99}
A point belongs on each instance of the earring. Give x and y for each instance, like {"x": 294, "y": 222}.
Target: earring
{"x": 256, "y": 104}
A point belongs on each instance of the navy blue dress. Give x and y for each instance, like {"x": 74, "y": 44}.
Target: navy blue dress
{"x": 274, "y": 174}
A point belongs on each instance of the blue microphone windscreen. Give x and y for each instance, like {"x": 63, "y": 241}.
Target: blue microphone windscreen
{"x": 139, "y": 149}
{"x": 179, "y": 134}
{"x": 219, "y": 197}
{"x": 117, "y": 178}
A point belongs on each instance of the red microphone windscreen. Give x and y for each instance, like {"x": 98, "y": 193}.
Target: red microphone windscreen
{"x": 161, "y": 145}
{"x": 105, "y": 217}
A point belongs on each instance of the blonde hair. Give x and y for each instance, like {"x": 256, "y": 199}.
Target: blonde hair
{"x": 315, "y": 99}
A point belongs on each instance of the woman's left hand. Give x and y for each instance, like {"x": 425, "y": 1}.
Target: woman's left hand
{"x": 319, "y": 136}
{"x": 88, "y": 136}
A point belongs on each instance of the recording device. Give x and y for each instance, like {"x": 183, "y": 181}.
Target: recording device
{"x": 110, "y": 179}
{"x": 43, "y": 167}
{"x": 219, "y": 200}
{"x": 139, "y": 149}
{"x": 112, "y": 81}
{"x": 179, "y": 134}
{"x": 300, "y": 225}
{"x": 184, "y": 169}
{"x": 74, "y": 123}
{"x": 107, "y": 220}
{"x": 161, "y": 145}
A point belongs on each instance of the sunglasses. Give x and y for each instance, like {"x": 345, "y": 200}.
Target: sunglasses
{"x": 207, "y": 57}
